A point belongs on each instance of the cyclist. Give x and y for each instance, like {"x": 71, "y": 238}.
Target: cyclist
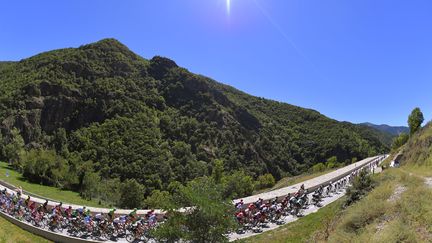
{"x": 240, "y": 217}
{"x": 19, "y": 191}
{"x": 81, "y": 211}
{"x": 239, "y": 205}
{"x": 27, "y": 201}
{"x": 87, "y": 213}
{"x": 132, "y": 217}
{"x": 45, "y": 206}
{"x": 68, "y": 212}
{"x": 111, "y": 214}
{"x": 151, "y": 217}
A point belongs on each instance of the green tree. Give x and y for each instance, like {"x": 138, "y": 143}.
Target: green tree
{"x": 2, "y": 145}
{"x": 207, "y": 218}
{"x": 415, "y": 120}
{"x": 132, "y": 194}
{"x": 174, "y": 186}
{"x": 90, "y": 185}
{"x": 331, "y": 162}
{"x": 82, "y": 168}
{"x": 60, "y": 142}
{"x": 156, "y": 198}
{"x": 14, "y": 148}
{"x": 237, "y": 184}
{"x": 265, "y": 181}
{"x": 318, "y": 167}
{"x": 44, "y": 166}
{"x": 110, "y": 191}
{"x": 218, "y": 170}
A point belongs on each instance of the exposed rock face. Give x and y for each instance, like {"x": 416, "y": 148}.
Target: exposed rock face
{"x": 34, "y": 103}
{"x": 50, "y": 106}
{"x": 27, "y": 123}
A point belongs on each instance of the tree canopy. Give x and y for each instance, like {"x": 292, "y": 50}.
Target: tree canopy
{"x": 208, "y": 216}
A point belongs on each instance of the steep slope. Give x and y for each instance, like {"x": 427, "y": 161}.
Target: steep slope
{"x": 418, "y": 149}
{"x": 393, "y": 130}
{"x": 156, "y": 122}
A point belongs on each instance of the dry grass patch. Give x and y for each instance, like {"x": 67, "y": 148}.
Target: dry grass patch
{"x": 366, "y": 211}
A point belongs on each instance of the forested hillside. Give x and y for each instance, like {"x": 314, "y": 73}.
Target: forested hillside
{"x": 100, "y": 113}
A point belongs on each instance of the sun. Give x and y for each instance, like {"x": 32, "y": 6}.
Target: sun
{"x": 228, "y": 6}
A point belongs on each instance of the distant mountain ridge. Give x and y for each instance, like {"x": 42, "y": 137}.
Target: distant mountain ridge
{"x": 393, "y": 130}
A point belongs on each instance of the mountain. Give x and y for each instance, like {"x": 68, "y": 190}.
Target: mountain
{"x": 393, "y": 130}
{"x": 108, "y": 111}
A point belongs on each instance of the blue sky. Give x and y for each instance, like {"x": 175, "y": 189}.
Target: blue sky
{"x": 368, "y": 60}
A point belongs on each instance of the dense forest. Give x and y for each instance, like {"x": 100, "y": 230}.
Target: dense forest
{"x": 102, "y": 115}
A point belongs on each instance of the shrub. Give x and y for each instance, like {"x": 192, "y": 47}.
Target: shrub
{"x": 361, "y": 185}
{"x": 331, "y": 162}
{"x": 208, "y": 220}
{"x": 265, "y": 181}
{"x": 156, "y": 198}
{"x": 238, "y": 184}
{"x": 400, "y": 140}
{"x": 318, "y": 167}
{"x": 132, "y": 194}
{"x": 44, "y": 166}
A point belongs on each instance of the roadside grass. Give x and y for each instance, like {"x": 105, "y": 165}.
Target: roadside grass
{"x": 302, "y": 229}
{"x": 358, "y": 220}
{"x": 54, "y": 193}
{"x": 419, "y": 170}
{"x": 376, "y": 219}
{"x": 10, "y": 233}
{"x": 416, "y": 207}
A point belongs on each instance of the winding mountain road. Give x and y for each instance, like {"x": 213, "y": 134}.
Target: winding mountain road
{"x": 311, "y": 185}
{"x": 311, "y": 209}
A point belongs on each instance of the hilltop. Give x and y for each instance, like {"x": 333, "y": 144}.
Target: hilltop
{"x": 108, "y": 111}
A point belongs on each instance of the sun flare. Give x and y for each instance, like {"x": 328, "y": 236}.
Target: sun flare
{"x": 228, "y": 6}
